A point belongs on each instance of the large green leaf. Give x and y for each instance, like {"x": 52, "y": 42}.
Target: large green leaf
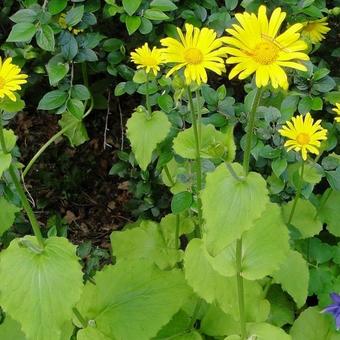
{"x": 5, "y": 162}
{"x": 230, "y": 206}
{"x": 145, "y": 241}
{"x": 215, "y": 288}
{"x": 312, "y": 325}
{"x": 22, "y": 32}
{"x": 293, "y": 276}
{"x": 39, "y": 289}
{"x": 266, "y": 331}
{"x": 213, "y": 143}
{"x": 131, "y": 6}
{"x": 304, "y": 218}
{"x": 10, "y": 140}
{"x": 330, "y": 212}
{"x": 7, "y": 214}
{"x": 145, "y": 133}
{"x": 45, "y": 38}
{"x": 264, "y": 247}
{"x": 132, "y": 300}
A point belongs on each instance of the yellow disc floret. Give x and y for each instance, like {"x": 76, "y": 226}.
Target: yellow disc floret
{"x": 148, "y": 59}
{"x": 196, "y": 51}
{"x": 256, "y": 46}
{"x": 303, "y": 135}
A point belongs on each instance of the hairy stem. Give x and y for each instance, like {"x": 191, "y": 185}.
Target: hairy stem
{"x": 198, "y": 166}
{"x": 298, "y": 192}
{"x": 20, "y": 191}
{"x": 246, "y": 160}
{"x": 147, "y": 96}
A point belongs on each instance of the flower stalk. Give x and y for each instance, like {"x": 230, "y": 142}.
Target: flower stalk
{"x": 26, "y": 205}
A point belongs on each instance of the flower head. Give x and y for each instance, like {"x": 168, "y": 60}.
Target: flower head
{"x": 303, "y": 135}
{"x": 315, "y": 30}
{"x": 10, "y": 79}
{"x": 255, "y": 45}
{"x": 146, "y": 58}
{"x": 334, "y": 308}
{"x": 337, "y": 111}
{"x": 196, "y": 51}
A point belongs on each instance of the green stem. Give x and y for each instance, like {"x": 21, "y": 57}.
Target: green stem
{"x": 199, "y": 115}
{"x": 198, "y": 166}
{"x": 20, "y": 191}
{"x": 298, "y": 193}
{"x": 147, "y": 96}
{"x": 168, "y": 175}
{"x": 177, "y": 244}
{"x": 233, "y": 173}
{"x": 240, "y": 289}
{"x": 246, "y": 160}
{"x": 81, "y": 319}
{"x": 52, "y": 140}
{"x": 195, "y": 314}
{"x": 250, "y": 128}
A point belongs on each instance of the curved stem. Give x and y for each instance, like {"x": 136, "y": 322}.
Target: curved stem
{"x": 250, "y": 128}
{"x": 52, "y": 140}
{"x": 324, "y": 199}
{"x": 298, "y": 192}
{"x": 246, "y": 160}
{"x": 168, "y": 175}
{"x": 198, "y": 166}
{"x": 20, "y": 191}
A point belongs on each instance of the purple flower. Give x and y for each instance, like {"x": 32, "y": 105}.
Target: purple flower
{"x": 334, "y": 308}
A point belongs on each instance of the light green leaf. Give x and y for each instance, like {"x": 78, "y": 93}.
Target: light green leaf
{"x": 52, "y": 100}
{"x": 7, "y": 211}
{"x": 133, "y": 300}
{"x": 11, "y": 106}
{"x": 213, "y": 143}
{"x": 215, "y": 288}
{"x": 268, "y": 236}
{"x": 80, "y": 92}
{"x": 238, "y": 203}
{"x": 313, "y": 325}
{"x": 5, "y": 162}
{"x": 163, "y": 5}
{"x": 24, "y": 15}
{"x": 56, "y": 6}
{"x": 145, "y": 241}
{"x": 74, "y": 15}
{"x": 330, "y": 213}
{"x": 131, "y": 6}
{"x": 145, "y": 133}
{"x": 10, "y": 140}
{"x": 266, "y": 331}
{"x": 90, "y": 333}
{"x": 76, "y": 108}
{"x": 39, "y": 290}
{"x": 76, "y": 133}
{"x": 181, "y": 202}
{"x": 11, "y": 330}
{"x": 293, "y": 276}
{"x": 22, "y": 32}
{"x": 132, "y": 23}
{"x": 57, "y": 69}
{"x": 45, "y": 38}
{"x": 304, "y": 218}
{"x": 155, "y": 14}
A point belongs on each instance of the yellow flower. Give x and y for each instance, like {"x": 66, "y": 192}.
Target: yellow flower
{"x": 315, "y": 30}
{"x": 148, "y": 59}
{"x": 304, "y": 135}
{"x": 255, "y": 46}
{"x": 196, "y": 52}
{"x": 337, "y": 110}
{"x": 10, "y": 79}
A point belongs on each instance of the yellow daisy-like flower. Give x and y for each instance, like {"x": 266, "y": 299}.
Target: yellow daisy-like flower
{"x": 10, "y": 79}
{"x": 304, "y": 135}
{"x": 315, "y": 30}
{"x": 337, "y": 111}
{"x": 255, "y": 46}
{"x": 148, "y": 59}
{"x": 199, "y": 50}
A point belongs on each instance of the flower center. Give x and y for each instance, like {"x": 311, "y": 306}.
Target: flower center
{"x": 303, "y": 138}
{"x": 193, "y": 56}
{"x": 265, "y": 52}
{"x": 149, "y": 61}
{"x": 2, "y": 83}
